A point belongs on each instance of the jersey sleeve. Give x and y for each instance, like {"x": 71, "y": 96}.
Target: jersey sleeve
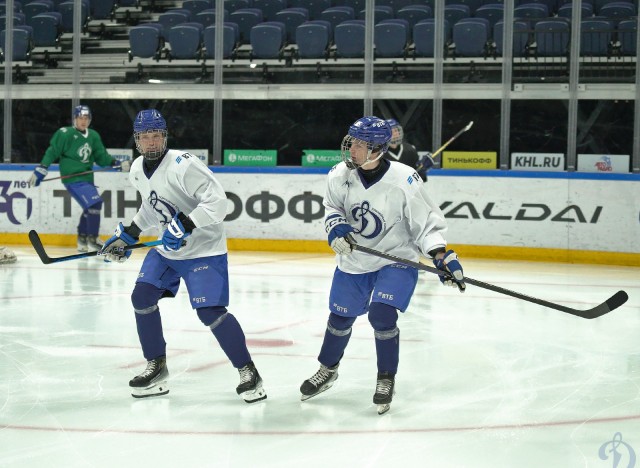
{"x": 100, "y": 155}
{"x": 55, "y": 149}
{"x": 334, "y": 201}
{"x": 199, "y": 182}
{"x": 427, "y": 224}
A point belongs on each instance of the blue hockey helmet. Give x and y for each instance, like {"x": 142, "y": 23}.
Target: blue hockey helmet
{"x": 397, "y": 134}
{"x": 373, "y": 131}
{"x": 150, "y": 121}
{"x": 80, "y": 111}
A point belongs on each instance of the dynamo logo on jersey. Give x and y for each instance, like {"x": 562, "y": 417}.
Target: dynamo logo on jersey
{"x": 371, "y": 221}
{"x": 164, "y": 210}
{"x": 85, "y": 153}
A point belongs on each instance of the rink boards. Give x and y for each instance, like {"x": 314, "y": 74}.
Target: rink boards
{"x": 591, "y": 218}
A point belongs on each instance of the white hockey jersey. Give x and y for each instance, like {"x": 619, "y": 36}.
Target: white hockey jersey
{"x": 182, "y": 183}
{"x": 394, "y": 215}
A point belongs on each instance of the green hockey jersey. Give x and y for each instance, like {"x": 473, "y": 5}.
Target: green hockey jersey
{"x": 76, "y": 152}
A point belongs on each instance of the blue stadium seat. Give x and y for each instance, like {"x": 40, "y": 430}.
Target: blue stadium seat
{"x": 233, "y": 5}
{"x": 349, "y": 39}
{"x": 493, "y": 12}
{"x": 186, "y": 41}
{"x": 472, "y": 4}
{"x": 414, "y": 14}
{"x": 324, "y": 23}
{"x": 520, "y": 37}
{"x": 617, "y": 10}
{"x": 270, "y": 8}
{"x": 598, "y": 4}
{"x": 268, "y": 39}
{"x": 551, "y": 5}
{"x": 292, "y": 18}
{"x": 102, "y": 9}
{"x": 595, "y": 37}
{"x": 246, "y": 18}
{"x": 17, "y": 7}
{"x": 172, "y": 18}
{"x": 470, "y": 35}
{"x": 22, "y": 44}
{"x": 208, "y": 17}
{"x": 145, "y": 41}
{"x": 18, "y": 19}
{"x": 35, "y": 8}
{"x": 566, "y": 10}
{"x": 454, "y": 13}
{"x": 230, "y": 38}
{"x": 46, "y": 29}
{"x": 552, "y": 37}
{"x": 531, "y": 11}
{"x": 66, "y": 9}
{"x": 423, "y": 37}
{"x": 195, "y": 6}
{"x": 338, "y": 14}
{"x": 313, "y": 39}
{"x": 404, "y": 23}
{"x": 627, "y": 35}
{"x": 315, "y": 7}
{"x": 357, "y": 5}
{"x": 390, "y": 38}
{"x": 380, "y": 13}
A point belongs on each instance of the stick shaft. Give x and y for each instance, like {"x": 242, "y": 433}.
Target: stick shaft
{"x": 44, "y": 257}
{"x": 612, "y": 303}
{"x": 74, "y": 175}
{"x": 449, "y": 141}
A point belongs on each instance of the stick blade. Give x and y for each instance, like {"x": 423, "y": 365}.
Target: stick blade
{"x": 38, "y": 247}
{"x": 607, "y": 306}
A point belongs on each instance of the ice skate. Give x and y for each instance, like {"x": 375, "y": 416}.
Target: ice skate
{"x": 153, "y": 381}
{"x": 82, "y": 243}
{"x": 250, "y": 387}
{"x": 319, "y": 382}
{"x": 384, "y": 391}
{"x": 94, "y": 243}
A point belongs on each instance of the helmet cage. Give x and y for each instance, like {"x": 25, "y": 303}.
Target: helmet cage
{"x": 151, "y": 155}
{"x": 150, "y": 121}
{"x": 397, "y": 137}
{"x": 374, "y": 132}
{"x": 345, "y": 151}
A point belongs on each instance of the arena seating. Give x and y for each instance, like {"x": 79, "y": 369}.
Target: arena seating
{"x": 403, "y": 30}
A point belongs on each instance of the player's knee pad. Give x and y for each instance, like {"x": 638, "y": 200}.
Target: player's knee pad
{"x": 145, "y": 297}
{"x": 94, "y": 209}
{"x": 212, "y": 316}
{"x": 382, "y": 316}
{"x": 340, "y": 326}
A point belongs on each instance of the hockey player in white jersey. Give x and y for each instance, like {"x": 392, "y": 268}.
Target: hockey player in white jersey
{"x": 382, "y": 205}
{"x": 187, "y": 205}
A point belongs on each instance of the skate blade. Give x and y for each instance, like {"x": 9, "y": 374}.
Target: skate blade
{"x": 304, "y": 397}
{"x": 158, "y": 389}
{"x": 253, "y": 396}
{"x": 384, "y": 408}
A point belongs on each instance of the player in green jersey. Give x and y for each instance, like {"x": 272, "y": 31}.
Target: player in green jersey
{"x": 77, "y": 148}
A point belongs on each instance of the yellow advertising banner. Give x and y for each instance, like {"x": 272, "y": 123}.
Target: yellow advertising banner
{"x": 469, "y": 160}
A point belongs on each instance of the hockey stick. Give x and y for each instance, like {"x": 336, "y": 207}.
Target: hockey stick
{"x": 607, "y": 306}
{"x": 39, "y": 248}
{"x": 451, "y": 140}
{"x": 75, "y": 175}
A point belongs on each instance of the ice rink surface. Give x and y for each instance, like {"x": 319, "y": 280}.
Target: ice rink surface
{"x": 485, "y": 380}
